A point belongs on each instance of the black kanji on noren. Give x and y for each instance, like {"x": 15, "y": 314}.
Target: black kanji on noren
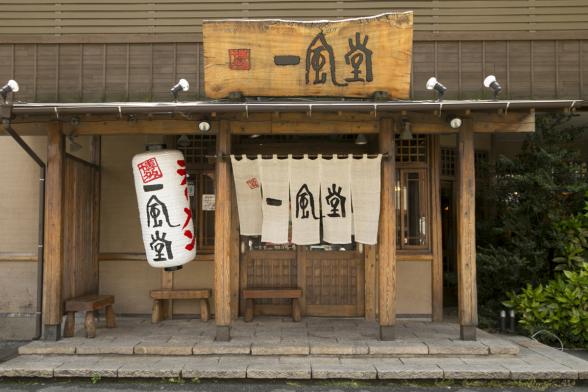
{"x": 316, "y": 61}
{"x": 336, "y": 201}
{"x": 359, "y": 54}
{"x": 305, "y": 203}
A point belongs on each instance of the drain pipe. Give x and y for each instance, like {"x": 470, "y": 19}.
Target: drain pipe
{"x": 41, "y": 240}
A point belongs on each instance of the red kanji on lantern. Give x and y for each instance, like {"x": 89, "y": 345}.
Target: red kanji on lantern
{"x": 149, "y": 170}
{"x": 239, "y": 59}
{"x": 252, "y": 182}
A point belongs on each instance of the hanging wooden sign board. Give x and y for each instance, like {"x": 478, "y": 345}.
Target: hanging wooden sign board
{"x": 350, "y": 58}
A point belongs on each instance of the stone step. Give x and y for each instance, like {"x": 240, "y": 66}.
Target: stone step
{"x": 283, "y": 347}
{"x": 533, "y": 366}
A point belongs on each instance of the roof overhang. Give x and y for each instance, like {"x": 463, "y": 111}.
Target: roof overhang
{"x": 299, "y": 105}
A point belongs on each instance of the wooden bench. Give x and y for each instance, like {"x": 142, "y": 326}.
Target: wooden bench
{"x": 89, "y": 304}
{"x": 168, "y": 294}
{"x": 288, "y": 293}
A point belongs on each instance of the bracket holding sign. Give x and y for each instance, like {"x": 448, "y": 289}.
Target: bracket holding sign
{"x": 351, "y": 57}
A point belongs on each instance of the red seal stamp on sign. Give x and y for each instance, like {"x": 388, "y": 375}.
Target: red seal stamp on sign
{"x": 149, "y": 170}
{"x": 239, "y": 59}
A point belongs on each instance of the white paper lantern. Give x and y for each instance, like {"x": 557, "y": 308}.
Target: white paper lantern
{"x": 164, "y": 208}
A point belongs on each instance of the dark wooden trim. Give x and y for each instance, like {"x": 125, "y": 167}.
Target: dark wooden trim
{"x": 464, "y": 35}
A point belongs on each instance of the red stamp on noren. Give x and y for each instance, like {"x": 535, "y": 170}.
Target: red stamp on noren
{"x": 252, "y": 182}
{"x": 150, "y": 170}
{"x": 240, "y": 59}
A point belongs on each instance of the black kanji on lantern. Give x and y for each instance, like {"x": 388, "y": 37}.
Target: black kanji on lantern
{"x": 336, "y": 201}
{"x": 316, "y": 61}
{"x": 305, "y": 203}
{"x": 161, "y": 247}
{"x": 155, "y": 209}
{"x": 357, "y": 55}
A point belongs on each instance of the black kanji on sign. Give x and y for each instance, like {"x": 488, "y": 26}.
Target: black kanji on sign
{"x": 357, "y": 55}
{"x": 317, "y": 54}
{"x": 336, "y": 201}
{"x": 161, "y": 247}
{"x": 305, "y": 203}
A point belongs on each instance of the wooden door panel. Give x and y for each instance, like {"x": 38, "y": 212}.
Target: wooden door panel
{"x": 334, "y": 283}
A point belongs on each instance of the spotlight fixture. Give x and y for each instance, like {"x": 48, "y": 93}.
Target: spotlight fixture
{"x": 454, "y": 121}
{"x": 433, "y": 84}
{"x": 75, "y": 121}
{"x": 182, "y": 85}
{"x": 490, "y": 82}
{"x": 204, "y": 126}
{"x": 361, "y": 140}
{"x": 406, "y": 133}
{"x": 10, "y": 87}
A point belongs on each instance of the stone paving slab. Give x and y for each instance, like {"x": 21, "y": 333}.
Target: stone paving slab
{"x": 533, "y": 366}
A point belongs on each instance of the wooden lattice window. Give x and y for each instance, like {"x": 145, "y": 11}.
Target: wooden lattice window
{"x": 448, "y": 161}
{"x": 413, "y": 150}
{"x": 197, "y": 150}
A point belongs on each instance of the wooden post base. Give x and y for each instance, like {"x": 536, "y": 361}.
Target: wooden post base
{"x": 110, "y": 317}
{"x": 387, "y": 332}
{"x": 223, "y": 333}
{"x": 204, "y": 310}
{"x": 467, "y": 332}
{"x": 90, "y": 324}
{"x": 70, "y": 325}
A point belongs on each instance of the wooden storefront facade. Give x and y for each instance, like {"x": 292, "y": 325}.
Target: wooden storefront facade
{"x": 539, "y": 54}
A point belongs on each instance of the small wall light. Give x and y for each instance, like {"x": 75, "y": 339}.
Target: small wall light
{"x": 182, "y": 85}
{"x": 361, "y": 140}
{"x": 73, "y": 144}
{"x": 204, "y": 126}
{"x": 433, "y": 84}
{"x": 406, "y": 133}
{"x": 10, "y": 87}
{"x": 454, "y": 121}
{"x": 490, "y": 82}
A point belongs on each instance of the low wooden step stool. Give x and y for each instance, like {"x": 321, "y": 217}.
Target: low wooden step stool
{"x": 89, "y": 304}
{"x": 289, "y": 293}
{"x": 168, "y": 294}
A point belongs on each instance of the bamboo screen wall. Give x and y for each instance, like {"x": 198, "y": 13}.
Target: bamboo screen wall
{"x": 184, "y": 16}
{"x": 90, "y": 72}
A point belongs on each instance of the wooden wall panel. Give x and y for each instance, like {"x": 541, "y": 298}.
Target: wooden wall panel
{"x": 80, "y": 267}
{"x": 45, "y": 17}
{"x": 93, "y": 72}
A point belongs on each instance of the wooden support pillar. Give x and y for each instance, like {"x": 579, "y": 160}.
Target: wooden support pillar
{"x": 222, "y": 235}
{"x": 437, "y": 246}
{"x": 466, "y": 234}
{"x": 53, "y": 263}
{"x": 387, "y": 235}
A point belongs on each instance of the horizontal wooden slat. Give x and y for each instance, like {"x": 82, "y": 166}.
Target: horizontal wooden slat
{"x": 272, "y": 293}
{"x": 181, "y": 294}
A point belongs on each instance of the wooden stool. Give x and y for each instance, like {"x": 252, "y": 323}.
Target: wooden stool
{"x": 251, "y": 294}
{"x": 89, "y": 304}
{"x": 168, "y": 294}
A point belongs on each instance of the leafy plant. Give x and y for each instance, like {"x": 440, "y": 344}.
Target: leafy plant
{"x": 560, "y": 306}
{"x": 573, "y": 252}
{"x": 531, "y": 198}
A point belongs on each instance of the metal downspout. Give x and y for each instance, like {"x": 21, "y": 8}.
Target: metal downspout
{"x": 41, "y": 235}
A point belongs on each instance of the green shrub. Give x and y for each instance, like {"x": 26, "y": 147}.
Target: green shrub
{"x": 560, "y": 306}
